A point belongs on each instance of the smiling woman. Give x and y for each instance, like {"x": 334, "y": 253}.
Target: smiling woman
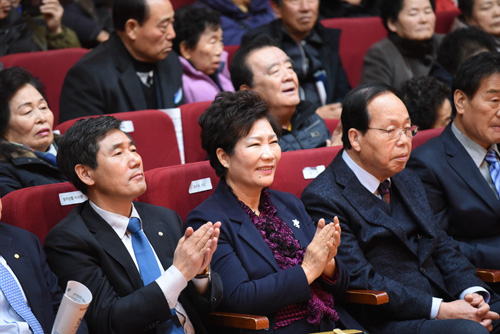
{"x": 27, "y": 144}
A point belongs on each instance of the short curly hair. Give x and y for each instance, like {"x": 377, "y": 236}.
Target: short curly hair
{"x": 423, "y": 97}
{"x": 228, "y": 119}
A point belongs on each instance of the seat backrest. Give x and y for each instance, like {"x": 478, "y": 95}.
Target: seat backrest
{"x": 191, "y": 130}
{"x": 50, "y": 67}
{"x": 37, "y": 209}
{"x": 176, "y": 4}
{"x": 153, "y": 133}
{"x": 424, "y": 135}
{"x": 180, "y": 188}
{"x": 231, "y": 50}
{"x": 297, "y": 169}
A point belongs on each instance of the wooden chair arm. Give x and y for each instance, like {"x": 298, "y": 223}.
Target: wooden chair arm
{"x": 488, "y": 275}
{"x": 237, "y": 320}
{"x": 370, "y": 297}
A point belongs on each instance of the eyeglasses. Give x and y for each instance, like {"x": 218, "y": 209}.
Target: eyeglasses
{"x": 395, "y": 133}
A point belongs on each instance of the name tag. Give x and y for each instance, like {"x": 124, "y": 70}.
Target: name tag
{"x": 198, "y": 186}
{"x": 127, "y": 126}
{"x": 73, "y": 197}
{"x": 312, "y": 172}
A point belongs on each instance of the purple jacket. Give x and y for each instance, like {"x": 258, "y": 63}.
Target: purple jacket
{"x": 234, "y": 22}
{"x": 199, "y": 86}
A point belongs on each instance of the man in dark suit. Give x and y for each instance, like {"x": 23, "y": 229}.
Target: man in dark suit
{"x": 97, "y": 246}
{"x": 390, "y": 240}
{"x": 22, "y": 253}
{"x": 134, "y": 70}
{"x": 314, "y": 51}
{"x": 454, "y": 168}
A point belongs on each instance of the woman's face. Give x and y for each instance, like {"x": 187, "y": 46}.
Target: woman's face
{"x": 252, "y": 165}
{"x": 416, "y": 20}
{"x": 205, "y": 56}
{"x": 486, "y": 16}
{"x": 30, "y": 120}
{"x": 444, "y": 114}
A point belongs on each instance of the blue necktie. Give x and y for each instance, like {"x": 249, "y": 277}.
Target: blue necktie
{"x": 15, "y": 297}
{"x": 149, "y": 267}
{"x": 491, "y": 158}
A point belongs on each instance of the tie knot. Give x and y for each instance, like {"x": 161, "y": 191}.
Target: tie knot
{"x": 383, "y": 188}
{"x": 491, "y": 157}
{"x": 134, "y": 225}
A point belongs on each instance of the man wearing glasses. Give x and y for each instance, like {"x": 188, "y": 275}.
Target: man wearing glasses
{"x": 460, "y": 168}
{"x": 390, "y": 239}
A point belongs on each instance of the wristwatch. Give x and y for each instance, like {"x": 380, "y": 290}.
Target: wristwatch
{"x": 204, "y": 274}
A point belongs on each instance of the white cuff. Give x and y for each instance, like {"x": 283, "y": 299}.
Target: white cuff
{"x": 436, "y": 304}
{"x": 479, "y": 290}
{"x": 172, "y": 282}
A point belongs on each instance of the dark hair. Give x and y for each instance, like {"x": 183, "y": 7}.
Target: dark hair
{"x": 390, "y": 9}
{"x": 80, "y": 145}
{"x": 228, "y": 119}
{"x": 423, "y": 97}
{"x": 190, "y": 23}
{"x": 466, "y": 7}
{"x": 280, "y": 2}
{"x": 124, "y": 10}
{"x": 472, "y": 71}
{"x": 11, "y": 80}
{"x": 355, "y": 113}
{"x": 462, "y": 43}
{"x": 241, "y": 74}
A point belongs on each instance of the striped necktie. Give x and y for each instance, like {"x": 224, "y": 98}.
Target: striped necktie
{"x": 491, "y": 158}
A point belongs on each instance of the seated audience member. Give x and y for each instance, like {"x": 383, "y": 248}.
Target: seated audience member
{"x": 198, "y": 42}
{"x": 271, "y": 257}
{"x": 90, "y": 19}
{"x": 459, "y": 169}
{"x": 144, "y": 275}
{"x": 24, "y": 34}
{"x": 133, "y": 70}
{"x": 410, "y": 47}
{"x": 390, "y": 238}
{"x": 348, "y": 8}
{"x": 482, "y": 14}
{"x": 28, "y": 147}
{"x": 29, "y": 294}
{"x": 460, "y": 44}
{"x": 239, "y": 16}
{"x": 427, "y": 100}
{"x": 266, "y": 69}
{"x": 314, "y": 51}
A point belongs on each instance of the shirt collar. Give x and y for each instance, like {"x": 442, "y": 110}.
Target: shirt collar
{"x": 118, "y": 222}
{"x": 476, "y": 151}
{"x": 366, "y": 179}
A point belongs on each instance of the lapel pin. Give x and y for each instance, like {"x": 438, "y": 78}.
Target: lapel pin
{"x": 160, "y": 234}
{"x": 296, "y": 223}
{"x": 16, "y": 256}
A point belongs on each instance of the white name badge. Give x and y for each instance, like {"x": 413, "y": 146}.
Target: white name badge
{"x": 127, "y": 126}
{"x": 73, "y": 197}
{"x": 312, "y": 172}
{"x": 198, "y": 186}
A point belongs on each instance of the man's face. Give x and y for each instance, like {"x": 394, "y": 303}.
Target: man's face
{"x": 5, "y": 6}
{"x": 298, "y": 16}
{"x": 119, "y": 173}
{"x": 274, "y": 78}
{"x": 152, "y": 41}
{"x": 486, "y": 16}
{"x": 479, "y": 117}
{"x": 379, "y": 155}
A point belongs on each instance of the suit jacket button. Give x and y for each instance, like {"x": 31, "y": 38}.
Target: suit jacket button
{"x": 422, "y": 269}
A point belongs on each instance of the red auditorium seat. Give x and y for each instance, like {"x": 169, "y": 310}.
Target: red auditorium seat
{"x": 153, "y": 133}
{"x": 37, "y": 209}
{"x": 50, "y": 67}
{"x": 424, "y": 135}
{"x": 191, "y": 130}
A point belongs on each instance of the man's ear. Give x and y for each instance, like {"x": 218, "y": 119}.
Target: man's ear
{"x": 245, "y": 87}
{"x": 277, "y": 9}
{"x": 354, "y": 138}
{"x": 460, "y": 99}
{"x": 223, "y": 157}
{"x": 85, "y": 174}
{"x": 131, "y": 29}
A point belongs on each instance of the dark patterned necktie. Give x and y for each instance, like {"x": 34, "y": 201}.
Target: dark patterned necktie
{"x": 384, "y": 191}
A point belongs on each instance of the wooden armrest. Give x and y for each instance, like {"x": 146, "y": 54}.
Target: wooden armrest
{"x": 237, "y": 320}
{"x": 488, "y": 275}
{"x": 370, "y": 297}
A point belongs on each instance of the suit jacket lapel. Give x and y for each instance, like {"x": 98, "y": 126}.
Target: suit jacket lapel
{"x": 112, "y": 244}
{"x": 461, "y": 162}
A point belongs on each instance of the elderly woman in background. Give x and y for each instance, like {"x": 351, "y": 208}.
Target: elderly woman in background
{"x": 271, "y": 257}
{"x": 410, "y": 47}
{"x": 27, "y": 144}
{"x": 198, "y": 42}
{"x": 482, "y": 14}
